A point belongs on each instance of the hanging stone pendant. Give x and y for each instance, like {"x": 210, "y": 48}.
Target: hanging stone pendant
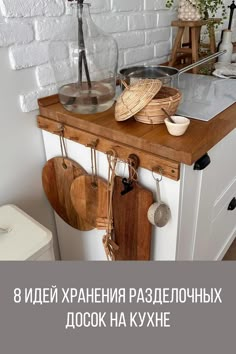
{"x": 88, "y": 82}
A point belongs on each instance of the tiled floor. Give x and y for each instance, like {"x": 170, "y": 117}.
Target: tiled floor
{"x": 231, "y": 254}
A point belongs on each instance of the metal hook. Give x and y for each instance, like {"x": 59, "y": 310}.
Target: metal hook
{"x": 93, "y": 144}
{"x": 160, "y": 172}
{"x": 60, "y": 129}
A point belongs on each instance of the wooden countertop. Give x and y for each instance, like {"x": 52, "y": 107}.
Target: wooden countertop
{"x": 199, "y": 138}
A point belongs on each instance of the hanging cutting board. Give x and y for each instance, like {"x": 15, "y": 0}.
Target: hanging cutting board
{"x": 57, "y": 179}
{"x": 132, "y": 229}
{"x": 89, "y": 200}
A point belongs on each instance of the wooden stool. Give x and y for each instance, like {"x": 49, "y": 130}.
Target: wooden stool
{"x": 192, "y": 48}
{"x": 194, "y": 28}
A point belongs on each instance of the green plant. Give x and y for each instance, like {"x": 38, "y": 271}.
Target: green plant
{"x": 207, "y": 8}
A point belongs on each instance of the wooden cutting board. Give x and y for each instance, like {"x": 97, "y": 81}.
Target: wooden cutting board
{"x": 132, "y": 229}
{"x": 57, "y": 182}
{"x": 89, "y": 201}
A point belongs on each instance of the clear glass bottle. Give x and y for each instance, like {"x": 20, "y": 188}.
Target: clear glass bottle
{"x": 87, "y": 78}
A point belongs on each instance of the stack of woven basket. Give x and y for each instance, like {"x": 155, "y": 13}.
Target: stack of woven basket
{"x": 145, "y": 101}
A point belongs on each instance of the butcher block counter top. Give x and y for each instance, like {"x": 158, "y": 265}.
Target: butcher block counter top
{"x": 151, "y": 140}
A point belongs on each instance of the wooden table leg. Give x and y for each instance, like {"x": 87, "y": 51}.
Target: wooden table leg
{"x": 212, "y": 38}
{"x": 195, "y": 38}
{"x": 177, "y": 45}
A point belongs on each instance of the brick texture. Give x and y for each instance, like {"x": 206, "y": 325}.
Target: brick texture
{"x": 33, "y": 54}
{"x": 63, "y": 28}
{"x": 141, "y": 28}
{"x": 29, "y": 8}
{"x": 28, "y": 100}
{"x": 11, "y": 33}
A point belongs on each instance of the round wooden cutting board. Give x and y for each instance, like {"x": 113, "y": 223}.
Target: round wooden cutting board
{"x": 89, "y": 201}
{"x": 57, "y": 177}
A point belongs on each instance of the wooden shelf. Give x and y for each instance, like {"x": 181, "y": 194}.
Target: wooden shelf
{"x": 152, "y": 143}
{"x": 85, "y": 130}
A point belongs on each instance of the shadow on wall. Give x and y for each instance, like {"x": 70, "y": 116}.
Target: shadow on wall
{"x": 21, "y": 150}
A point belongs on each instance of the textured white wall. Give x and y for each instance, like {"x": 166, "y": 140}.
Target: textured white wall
{"x": 21, "y": 149}
{"x": 141, "y": 28}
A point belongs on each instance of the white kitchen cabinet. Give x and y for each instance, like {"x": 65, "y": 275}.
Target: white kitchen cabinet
{"x": 201, "y": 227}
{"x": 206, "y": 226}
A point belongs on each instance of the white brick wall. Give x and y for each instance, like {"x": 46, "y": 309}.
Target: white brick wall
{"x": 141, "y": 28}
{"x": 100, "y": 6}
{"x": 143, "y": 21}
{"x": 111, "y": 23}
{"x": 11, "y": 33}
{"x": 24, "y": 56}
{"x": 124, "y": 5}
{"x": 28, "y": 100}
{"x": 45, "y": 74}
{"x": 29, "y": 8}
{"x": 130, "y": 39}
{"x": 63, "y": 28}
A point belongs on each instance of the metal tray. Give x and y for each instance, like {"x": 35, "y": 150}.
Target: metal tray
{"x": 205, "y": 96}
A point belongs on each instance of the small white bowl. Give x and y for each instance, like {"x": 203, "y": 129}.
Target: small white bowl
{"x": 178, "y": 128}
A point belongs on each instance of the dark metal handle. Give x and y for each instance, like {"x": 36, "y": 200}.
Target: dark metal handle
{"x": 202, "y": 163}
{"x": 232, "y": 7}
{"x": 232, "y": 204}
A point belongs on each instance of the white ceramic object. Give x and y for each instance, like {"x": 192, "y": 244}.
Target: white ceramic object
{"x": 179, "y": 127}
{"x": 227, "y": 45}
{"x": 23, "y": 238}
{"x": 234, "y": 58}
{"x": 159, "y": 212}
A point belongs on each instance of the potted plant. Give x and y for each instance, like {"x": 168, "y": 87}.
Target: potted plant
{"x": 199, "y": 9}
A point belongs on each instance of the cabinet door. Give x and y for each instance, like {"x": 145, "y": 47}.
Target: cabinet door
{"x": 211, "y": 226}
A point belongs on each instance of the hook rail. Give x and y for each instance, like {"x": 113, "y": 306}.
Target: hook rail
{"x": 150, "y": 161}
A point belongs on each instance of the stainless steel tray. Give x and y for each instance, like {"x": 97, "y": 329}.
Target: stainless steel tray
{"x": 205, "y": 96}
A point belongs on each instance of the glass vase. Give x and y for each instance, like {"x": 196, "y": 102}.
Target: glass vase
{"x": 86, "y": 79}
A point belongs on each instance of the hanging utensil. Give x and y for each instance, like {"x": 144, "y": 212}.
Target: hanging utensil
{"x": 159, "y": 212}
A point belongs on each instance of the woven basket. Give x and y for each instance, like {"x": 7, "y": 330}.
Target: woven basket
{"x": 167, "y": 98}
{"x": 135, "y": 97}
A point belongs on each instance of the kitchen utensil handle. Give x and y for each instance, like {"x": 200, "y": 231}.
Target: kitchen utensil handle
{"x": 158, "y": 191}
{"x": 168, "y": 115}
{"x": 202, "y": 61}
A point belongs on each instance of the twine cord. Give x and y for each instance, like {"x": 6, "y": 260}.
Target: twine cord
{"x": 93, "y": 164}
{"x": 109, "y": 244}
{"x": 63, "y": 147}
